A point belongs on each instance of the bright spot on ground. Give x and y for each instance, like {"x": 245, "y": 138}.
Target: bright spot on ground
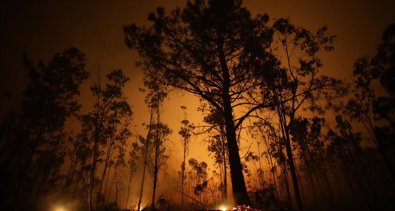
{"x": 223, "y": 208}
{"x": 59, "y": 208}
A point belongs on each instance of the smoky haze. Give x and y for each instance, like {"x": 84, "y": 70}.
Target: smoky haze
{"x": 42, "y": 28}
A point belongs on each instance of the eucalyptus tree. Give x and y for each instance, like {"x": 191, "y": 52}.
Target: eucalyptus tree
{"x": 106, "y": 128}
{"x": 118, "y": 120}
{"x": 155, "y": 155}
{"x": 185, "y": 132}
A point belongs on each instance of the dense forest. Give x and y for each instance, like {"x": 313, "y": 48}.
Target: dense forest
{"x": 280, "y": 133}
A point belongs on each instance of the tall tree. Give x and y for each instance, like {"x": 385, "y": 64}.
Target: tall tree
{"x": 157, "y": 155}
{"x": 154, "y": 144}
{"x": 203, "y": 49}
{"x": 186, "y": 133}
{"x": 107, "y": 128}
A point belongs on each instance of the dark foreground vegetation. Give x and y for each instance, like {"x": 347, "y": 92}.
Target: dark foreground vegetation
{"x": 315, "y": 142}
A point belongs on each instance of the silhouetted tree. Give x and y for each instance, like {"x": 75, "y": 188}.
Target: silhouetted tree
{"x": 106, "y": 129}
{"x": 203, "y": 49}
{"x": 186, "y": 133}
{"x": 345, "y": 146}
{"x": 156, "y": 155}
{"x": 372, "y": 107}
{"x": 48, "y": 101}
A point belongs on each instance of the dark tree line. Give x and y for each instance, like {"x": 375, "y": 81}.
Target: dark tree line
{"x": 42, "y": 156}
{"x": 32, "y": 137}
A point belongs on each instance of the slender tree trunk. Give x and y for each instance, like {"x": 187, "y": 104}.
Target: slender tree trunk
{"x": 146, "y": 147}
{"x": 261, "y": 177}
{"x": 225, "y": 182}
{"x": 273, "y": 174}
{"x": 285, "y": 178}
{"x": 154, "y": 188}
{"x": 95, "y": 147}
{"x": 108, "y": 156}
{"x": 92, "y": 176}
{"x": 129, "y": 182}
{"x": 156, "y": 164}
{"x": 116, "y": 186}
{"x": 143, "y": 178}
{"x": 183, "y": 175}
{"x": 293, "y": 173}
{"x": 291, "y": 163}
{"x": 23, "y": 175}
{"x": 71, "y": 174}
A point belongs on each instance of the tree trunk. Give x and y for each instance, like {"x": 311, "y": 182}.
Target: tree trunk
{"x": 116, "y": 186}
{"x": 239, "y": 189}
{"x": 225, "y": 182}
{"x": 238, "y": 184}
{"x": 154, "y": 189}
{"x": 293, "y": 173}
{"x": 108, "y": 156}
{"x": 156, "y": 164}
{"x": 285, "y": 178}
{"x": 285, "y": 132}
{"x": 143, "y": 178}
{"x": 129, "y": 182}
{"x": 92, "y": 176}
{"x": 95, "y": 145}
{"x": 146, "y": 147}
{"x": 183, "y": 177}
{"x": 23, "y": 175}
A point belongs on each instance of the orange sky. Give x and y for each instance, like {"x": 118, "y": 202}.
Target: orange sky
{"x": 42, "y": 27}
